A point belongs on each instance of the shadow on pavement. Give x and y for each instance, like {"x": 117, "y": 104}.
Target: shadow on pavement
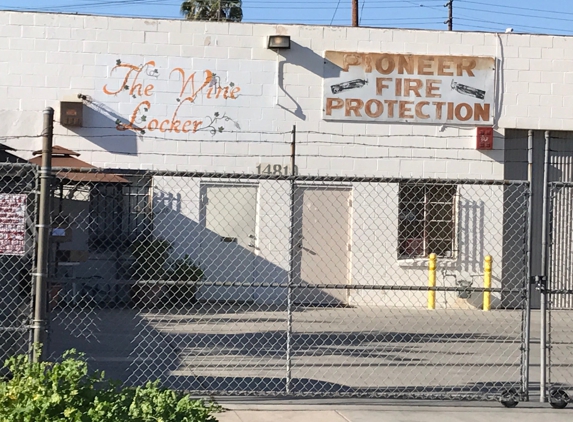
{"x": 186, "y": 350}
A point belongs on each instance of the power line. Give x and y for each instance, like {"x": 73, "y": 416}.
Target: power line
{"x": 362, "y": 11}
{"x": 319, "y": 5}
{"x": 250, "y": 5}
{"x": 517, "y": 14}
{"x": 505, "y": 24}
{"x": 426, "y": 22}
{"x": 408, "y": 21}
{"x": 335, "y": 10}
{"x": 92, "y": 4}
{"x": 481, "y": 3}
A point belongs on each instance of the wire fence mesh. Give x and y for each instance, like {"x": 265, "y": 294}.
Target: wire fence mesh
{"x": 560, "y": 294}
{"x": 17, "y": 228}
{"x": 276, "y": 285}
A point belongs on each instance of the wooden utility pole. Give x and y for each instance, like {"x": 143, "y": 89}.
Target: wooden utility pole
{"x": 450, "y": 21}
{"x": 354, "y": 12}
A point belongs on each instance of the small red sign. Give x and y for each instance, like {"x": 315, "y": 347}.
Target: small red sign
{"x": 484, "y": 137}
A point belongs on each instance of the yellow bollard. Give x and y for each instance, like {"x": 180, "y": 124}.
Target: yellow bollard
{"x": 487, "y": 283}
{"x": 432, "y": 281}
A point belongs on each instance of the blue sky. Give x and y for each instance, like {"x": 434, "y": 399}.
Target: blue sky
{"x": 529, "y": 16}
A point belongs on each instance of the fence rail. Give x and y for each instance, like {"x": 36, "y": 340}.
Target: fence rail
{"x": 307, "y": 286}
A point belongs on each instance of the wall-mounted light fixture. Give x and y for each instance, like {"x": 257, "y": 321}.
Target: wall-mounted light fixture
{"x": 279, "y": 42}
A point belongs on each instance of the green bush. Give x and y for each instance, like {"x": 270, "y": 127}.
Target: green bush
{"x": 185, "y": 274}
{"x": 67, "y": 392}
{"x": 185, "y": 270}
{"x": 152, "y": 263}
{"x": 151, "y": 257}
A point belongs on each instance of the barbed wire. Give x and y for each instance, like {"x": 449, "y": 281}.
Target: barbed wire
{"x": 160, "y": 138}
{"x": 285, "y": 141}
{"x": 298, "y": 142}
{"x": 390, "y": 154}
{"x": 9, "y": 137}
{"x": 370, "y": 135}
{"x": 299, "y": 154}
{"x": 118, "y": 133}
{"x": 113, "y": 127}
{"x": 422, "y": 147}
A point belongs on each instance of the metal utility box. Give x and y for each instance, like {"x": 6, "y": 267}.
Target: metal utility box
{"x": 71, "y": 113}
{"x": 484, "y": 138}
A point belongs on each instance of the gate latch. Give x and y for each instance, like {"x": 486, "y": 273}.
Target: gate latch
{"x": 540, "y": 282}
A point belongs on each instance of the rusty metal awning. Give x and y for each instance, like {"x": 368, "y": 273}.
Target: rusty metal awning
{"x": 66, "y": 158}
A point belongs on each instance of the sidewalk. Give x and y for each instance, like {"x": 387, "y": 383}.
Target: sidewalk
{"x": 370, "y": 411}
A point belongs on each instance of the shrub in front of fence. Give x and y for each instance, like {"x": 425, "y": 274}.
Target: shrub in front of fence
{"x": 66, "y": 392}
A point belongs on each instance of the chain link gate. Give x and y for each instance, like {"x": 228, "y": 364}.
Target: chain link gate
{"x": 17, "y": 252}
{"x": 559, "y": 292}
{"x": 305, "y": 286}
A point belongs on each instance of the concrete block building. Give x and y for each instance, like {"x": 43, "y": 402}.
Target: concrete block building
{"x": 172, "y": 95}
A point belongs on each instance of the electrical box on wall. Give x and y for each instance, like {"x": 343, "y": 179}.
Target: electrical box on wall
{"x": 484, "y": 138}
{"x": 71, "y": 113}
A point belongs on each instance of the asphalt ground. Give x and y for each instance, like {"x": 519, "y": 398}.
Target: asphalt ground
{"x": 392, "y": 353}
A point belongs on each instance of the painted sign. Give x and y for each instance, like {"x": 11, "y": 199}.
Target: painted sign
{"x": 12, "y": 224}
{"x": 408, "y": 88}
{"x": 165, "y": 101}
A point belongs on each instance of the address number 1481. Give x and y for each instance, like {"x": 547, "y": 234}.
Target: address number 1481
{"x": 276, "y": 169}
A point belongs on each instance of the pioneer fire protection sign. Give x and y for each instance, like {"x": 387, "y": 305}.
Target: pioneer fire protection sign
{"x": 408, "y": 88}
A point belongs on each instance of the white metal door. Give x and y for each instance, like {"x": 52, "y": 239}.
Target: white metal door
{"x": 228, "y": 243}
{"x": 323, "y": 242}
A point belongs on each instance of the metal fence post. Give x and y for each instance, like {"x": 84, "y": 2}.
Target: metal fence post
{"x": 291, "y": 274}
{"x": 527, "y": 306}
{"x": 543, "y": 292}
{"x": 33, "y": 269}
{"x": 43, "y": 231}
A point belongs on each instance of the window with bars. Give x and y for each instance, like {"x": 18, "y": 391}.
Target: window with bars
{"x": 426, "y": 220}
{"x": 119, "y": 214}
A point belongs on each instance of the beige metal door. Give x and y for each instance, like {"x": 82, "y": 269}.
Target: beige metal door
{"x": 322, "y": 244}
{"x": 228, "y": 243}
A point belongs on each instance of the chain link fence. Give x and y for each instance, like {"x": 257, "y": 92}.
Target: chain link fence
{"x": 310, "y": 286}
{"x": 17, "y": 234}
{"x": 560, "y": 295}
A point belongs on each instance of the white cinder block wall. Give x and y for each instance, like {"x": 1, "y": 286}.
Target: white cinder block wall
{"x": 47, "y": 58}
{"x": 50, "y": 57}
